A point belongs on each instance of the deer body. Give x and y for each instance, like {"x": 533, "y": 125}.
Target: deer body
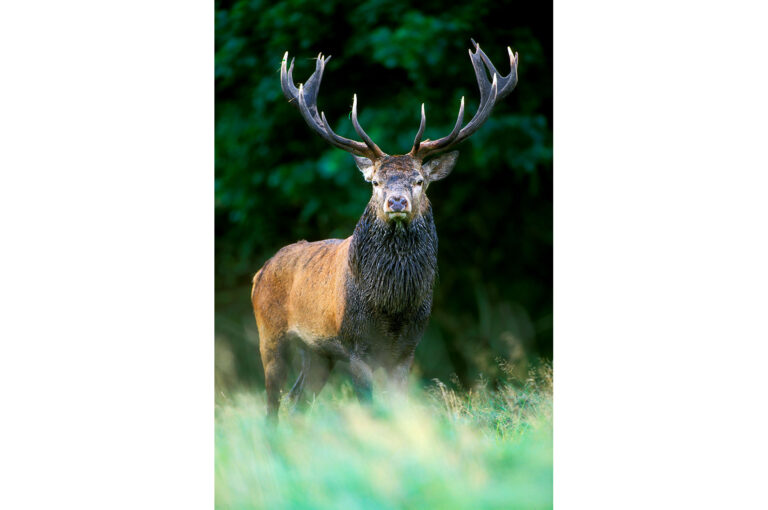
{"x": 348, "y": 300}
{"x": 365, "y": 300}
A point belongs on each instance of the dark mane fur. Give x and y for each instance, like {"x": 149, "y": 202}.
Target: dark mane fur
{"x": 394, "y": 265}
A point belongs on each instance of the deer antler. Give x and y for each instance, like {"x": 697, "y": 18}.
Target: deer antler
{"x": 490, "y": 92}
{"x": 305, "y": 99}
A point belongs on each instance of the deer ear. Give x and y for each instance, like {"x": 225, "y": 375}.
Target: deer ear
{"x": 366, "y": 166}
{"x": 441, "y": 166}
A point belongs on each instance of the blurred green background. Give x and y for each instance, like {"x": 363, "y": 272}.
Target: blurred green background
{"x": 277, "y": 182}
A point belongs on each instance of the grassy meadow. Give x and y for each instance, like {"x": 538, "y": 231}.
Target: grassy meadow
{"x": 442, "y": 447}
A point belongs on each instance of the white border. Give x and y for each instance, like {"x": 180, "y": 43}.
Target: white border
{"x": 661, "y": 257}
{"x": 106, "y": 370}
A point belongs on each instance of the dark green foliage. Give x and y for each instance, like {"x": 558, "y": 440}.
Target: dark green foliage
{"x": 277, "y": 182}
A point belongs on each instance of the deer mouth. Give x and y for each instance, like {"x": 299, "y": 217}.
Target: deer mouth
{"x": 397, "y": 215}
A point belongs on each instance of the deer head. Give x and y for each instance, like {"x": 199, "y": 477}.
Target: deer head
{"x": 400, "y": 182}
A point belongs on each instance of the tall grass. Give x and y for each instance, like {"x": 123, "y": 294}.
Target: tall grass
{"x": 444, "y": 447}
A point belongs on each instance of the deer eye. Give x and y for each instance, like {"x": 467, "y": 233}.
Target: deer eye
{"x": 376, "y": 183}
{"x": 419, "y": 182}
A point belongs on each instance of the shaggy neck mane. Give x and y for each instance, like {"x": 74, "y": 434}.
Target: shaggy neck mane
{"x": 394, "y": 265}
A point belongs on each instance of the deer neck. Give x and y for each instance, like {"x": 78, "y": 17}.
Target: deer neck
{"x": 394, "y": 264}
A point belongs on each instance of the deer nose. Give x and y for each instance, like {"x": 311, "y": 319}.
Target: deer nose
{"x": 397, "y": 203}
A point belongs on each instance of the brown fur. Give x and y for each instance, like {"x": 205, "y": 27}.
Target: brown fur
{"x": 301, "y": 290}
{"x": 298, "y": 294}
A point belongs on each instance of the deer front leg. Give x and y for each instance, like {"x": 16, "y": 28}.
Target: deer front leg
{"x": 298, "y": 388}
{"x": 362, "y": 380}
{"x": 314, "y": 374}
{"x": 398, "y": 375}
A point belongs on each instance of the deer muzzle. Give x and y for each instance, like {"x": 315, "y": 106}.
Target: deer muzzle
{"x": 398, "y": 205}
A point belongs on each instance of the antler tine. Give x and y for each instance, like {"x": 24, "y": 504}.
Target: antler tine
{"x": 482, "y": 113}
{"x": 480, "y": 75}
{"x": 506, "y": 83}
{"x": 312, "y": 87}
{"x": 420, "y": 132}
{"x": 367, "y": 139}
{"x": 305, "y": 99}
{"x": 343, "y": 143}
{"x": 490, "y": 92}
{"x": 435, "y": 145}
{"x": 310, "y": 116}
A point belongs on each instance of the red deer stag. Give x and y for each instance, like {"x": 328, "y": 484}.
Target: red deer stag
{"x": 365, "y": 299}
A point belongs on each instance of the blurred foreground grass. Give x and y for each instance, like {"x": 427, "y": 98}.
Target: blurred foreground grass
{"x": 443, "y": 448}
